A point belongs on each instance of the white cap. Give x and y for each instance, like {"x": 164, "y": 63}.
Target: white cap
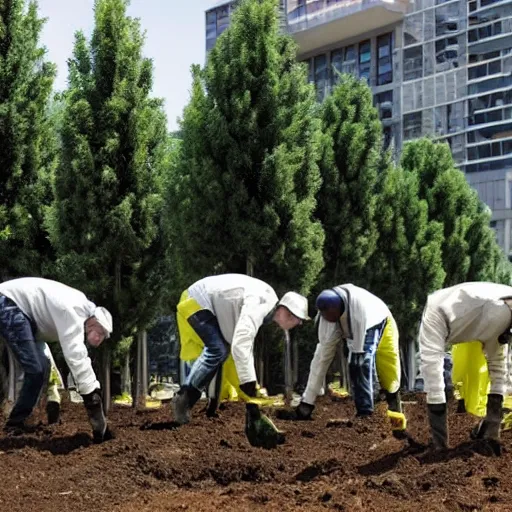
{"x": 104, "y": 318}
{"x": 295, "y": 303}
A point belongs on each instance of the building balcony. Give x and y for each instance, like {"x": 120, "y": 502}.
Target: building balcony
{"x": 319, "y": 23}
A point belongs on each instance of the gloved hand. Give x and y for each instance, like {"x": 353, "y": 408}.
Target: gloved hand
{"x": 398, "y": 423}
{"x": 94, "y": 405}
{"x": 396, "y": 415}
{"x": 249, "y": 388}
{"x": 489, "y": 427}
{"x": 438, "y": 425}
{"x": 260, "y": 430}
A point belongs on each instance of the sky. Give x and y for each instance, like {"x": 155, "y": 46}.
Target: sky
{"x": 175, "y": 39}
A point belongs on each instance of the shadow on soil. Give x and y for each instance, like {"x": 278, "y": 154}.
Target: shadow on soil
{"x": 54, "y": 445}
{"x": 163, "y": 425}
{"x": 428, "y": 456}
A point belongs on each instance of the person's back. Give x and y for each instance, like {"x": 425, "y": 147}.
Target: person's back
{"x": 220, "y": 289}
{"x": 225, "y": 295}
{"x": 45, "y": 301}
{"x": 473, "y": 310}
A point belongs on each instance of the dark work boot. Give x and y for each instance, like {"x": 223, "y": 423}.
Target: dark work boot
{"x": 394, "y": 401}
{"x": 53, "y": 412}
{"x": 183, "y": 402}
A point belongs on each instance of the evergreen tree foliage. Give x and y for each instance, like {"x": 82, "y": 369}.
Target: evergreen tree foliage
{"x": 407, "y": 264}
{"x": 247, "y": 177}
{"x": 28, "y": 154}
{"x": 469, "y": 242}
{"x": 349, "y": 162}
{"x": 106, "y": 222}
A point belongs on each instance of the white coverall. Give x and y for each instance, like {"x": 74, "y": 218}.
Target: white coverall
{"x": 462, "y": 313}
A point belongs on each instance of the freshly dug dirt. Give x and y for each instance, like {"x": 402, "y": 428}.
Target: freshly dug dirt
{"x": 349, "y": 464}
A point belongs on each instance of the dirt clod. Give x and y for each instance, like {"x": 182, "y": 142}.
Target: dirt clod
{"x": 155, "y": 465}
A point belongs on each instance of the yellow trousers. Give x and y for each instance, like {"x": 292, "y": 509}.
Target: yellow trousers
{"x": 387, "y": 358}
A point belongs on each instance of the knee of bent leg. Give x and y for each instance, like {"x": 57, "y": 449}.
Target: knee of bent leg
{"x": 220, "y": 351}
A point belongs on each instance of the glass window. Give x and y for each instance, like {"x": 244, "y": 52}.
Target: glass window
{"x": 447, "y": 53}
{"x": 447, "y": 19}
{"x": 313, "y": 6}
{"x": 222, "y": 19}
{"x": 494, "y": 67}
{"x": 489, "y": 85}
{"x": 336, "y": 65}
{"x": 321, "y": 76}
{"x": 211, "y": 25}
{"x": 384, "y": 59}
{"x": 412, "y": 125}
{"x": 349, "y": 60}
{"x": 413, "y": 29}
{"x": 365, "y": 57}
{"x": 491, "y": 30}
{"x": 413, "y": 63}
{"x": 479, "y": 57}
{"x": 492, "y": 165}
{"x": 484, "y": 151}
{"x": 384, "y": 102}
{"x": 387, "y": 137}
{"x": 311, "y": 77}
{"x": 295, "y": 9}
{"x": 472, "y": 153}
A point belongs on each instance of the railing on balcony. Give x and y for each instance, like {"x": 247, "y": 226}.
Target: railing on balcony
{"x": 302, "y": 14}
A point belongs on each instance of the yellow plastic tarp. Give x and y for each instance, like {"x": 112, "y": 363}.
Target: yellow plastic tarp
{"x": 470, "y": 377}
{"x": 387, "y": 358}
{"x": 192, "y": 346}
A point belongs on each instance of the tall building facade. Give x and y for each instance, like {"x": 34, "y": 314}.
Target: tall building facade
{"x": 436, "y": 67}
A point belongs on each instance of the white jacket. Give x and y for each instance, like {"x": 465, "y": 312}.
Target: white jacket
{"x": 240, "y": 304}
{"x": 462, "y": 313}
{"x": 59, "y": 313}
{"x": 363, "y": 310}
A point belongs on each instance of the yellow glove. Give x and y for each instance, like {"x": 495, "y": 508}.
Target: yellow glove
{"x": 506, "y": 422}
{"x": 397, "y": 420}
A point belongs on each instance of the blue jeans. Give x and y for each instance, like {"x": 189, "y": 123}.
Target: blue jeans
{"x": 362, "y": 370}
{"x": 215, "y": 352}
{"x": 18, "y": 333}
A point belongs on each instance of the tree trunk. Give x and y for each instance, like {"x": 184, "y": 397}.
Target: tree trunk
{"x": 141, "y": 378}
{"x": 288, "y": 386}
{"x": 105, "y": 369}
{"x": 126, "y": 375}
{"x": 295, "y": 355}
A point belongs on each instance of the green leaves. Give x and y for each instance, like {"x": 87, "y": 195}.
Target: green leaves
{"x": 28, "y": 151}
{"x": 351, "y": 147}
{"x": 109, "y": 186}
{"x": 248, "y": 174}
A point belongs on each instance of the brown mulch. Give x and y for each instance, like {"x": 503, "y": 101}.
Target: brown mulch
{"x": 346, "y": 465}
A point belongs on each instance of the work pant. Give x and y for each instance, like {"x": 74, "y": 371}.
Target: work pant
{"x": 381, "y": 350}
{"x": 17, "y": 330}
{"x": 214, "y": 353}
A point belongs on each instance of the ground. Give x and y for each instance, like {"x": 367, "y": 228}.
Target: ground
{"x": 345, "y": 465}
